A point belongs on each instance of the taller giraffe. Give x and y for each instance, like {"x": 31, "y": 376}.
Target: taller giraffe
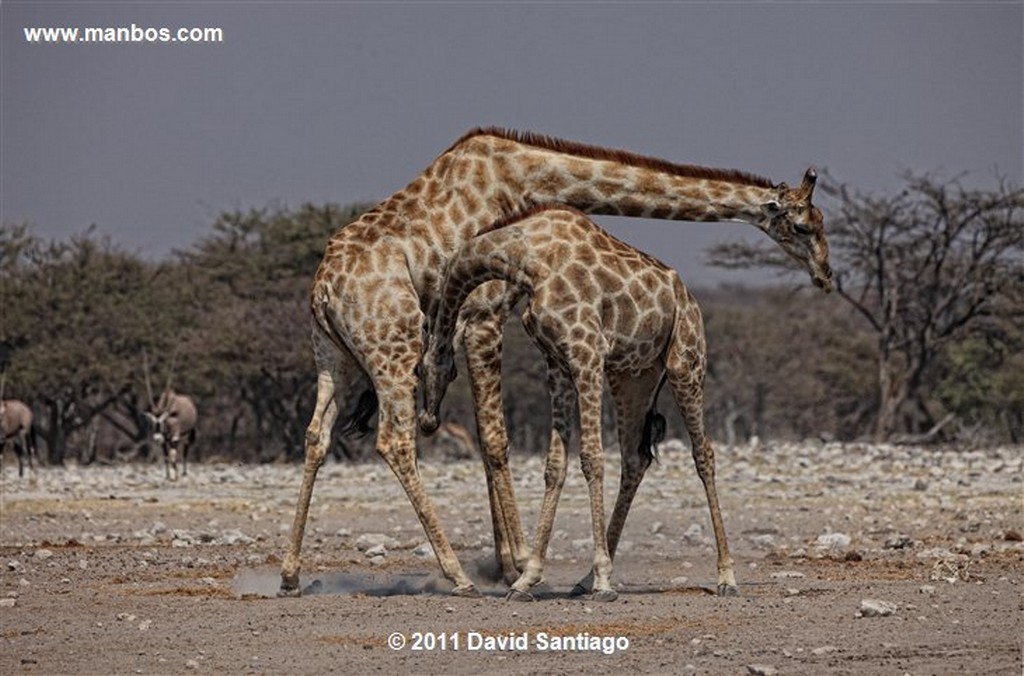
{"x": 381, "y": 275}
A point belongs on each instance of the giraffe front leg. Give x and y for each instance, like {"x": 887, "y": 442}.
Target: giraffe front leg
{"x": 482, "y": 341}
{"x": 396, "y": 444}
{"x": 634, "y": 399}
{"x": 562, "y": 403}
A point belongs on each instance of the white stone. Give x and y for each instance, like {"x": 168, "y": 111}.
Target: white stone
{"x": 369, "y": 540}
{"x": 376, "y": 550}
{"x": 876, "y": 608}
{"x": 833, "y": 540}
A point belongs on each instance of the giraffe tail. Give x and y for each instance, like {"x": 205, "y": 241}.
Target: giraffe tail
{"x": 358, "y": 422}
{"x": 654, "y": 429}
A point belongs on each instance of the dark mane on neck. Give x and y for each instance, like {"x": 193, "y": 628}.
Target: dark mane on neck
{"x": 621, "y": 156}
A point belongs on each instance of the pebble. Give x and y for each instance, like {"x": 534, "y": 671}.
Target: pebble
{"x": 43, "y": 554}
{"x": 900, "y": 542}
{"x": 376, "y": 551}
{"x": 7, "y": 603}
{"x": 876, "y": 608}
{"x": 369, "y": 540}
{"x": 833, "y": 541}
{"x": 761, "y": 670}
{"x": 787, "y": 574}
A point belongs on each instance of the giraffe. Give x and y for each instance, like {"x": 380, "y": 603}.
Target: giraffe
{"x": 380, "y": 277}
{"x": 597, "y": 308}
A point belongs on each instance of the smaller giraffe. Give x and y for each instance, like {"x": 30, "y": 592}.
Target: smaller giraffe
{"x": 596, "y": 307}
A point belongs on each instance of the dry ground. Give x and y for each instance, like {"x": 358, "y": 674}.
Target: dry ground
{"x": 114, "y": 570}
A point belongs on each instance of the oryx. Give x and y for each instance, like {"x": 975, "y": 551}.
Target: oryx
{"x": 173, "y": 421}
{"x": 16, "y": 427}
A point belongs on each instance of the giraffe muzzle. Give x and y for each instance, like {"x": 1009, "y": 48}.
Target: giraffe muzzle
{"x": 428, "y": 422}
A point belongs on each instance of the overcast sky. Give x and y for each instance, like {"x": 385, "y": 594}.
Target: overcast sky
{"x": 347, "y": 102}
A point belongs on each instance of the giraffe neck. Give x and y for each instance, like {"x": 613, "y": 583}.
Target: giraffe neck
{"x": 500, "y": 255}
{"x": 521, "y": 171}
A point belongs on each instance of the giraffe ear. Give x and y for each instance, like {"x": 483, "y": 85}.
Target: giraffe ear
{"x": 771, "y": 209}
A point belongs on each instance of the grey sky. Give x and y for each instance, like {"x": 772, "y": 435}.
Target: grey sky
{"x": 346, "y": 102}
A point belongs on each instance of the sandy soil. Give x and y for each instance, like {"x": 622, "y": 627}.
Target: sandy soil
{"x": 114, "y": 570}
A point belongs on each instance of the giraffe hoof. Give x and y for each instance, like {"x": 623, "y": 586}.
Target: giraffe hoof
{"x": 578, "y": 590}
{"x": 288, "y": 592}
{"x": 516, "y": 595}
{"x": 468, "y": 591}
{"x": 289, "y": 586}
{"x": 728, "y": 590}
{"x": 605, "y": 595}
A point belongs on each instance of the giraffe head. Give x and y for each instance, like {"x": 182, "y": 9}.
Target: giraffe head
{"x": 798, "y": 227}
{"x": 436, "y": 371}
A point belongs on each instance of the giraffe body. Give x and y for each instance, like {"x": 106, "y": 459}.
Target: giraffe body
{"x": 381, "y": 276}
{"x": 596, "y": 307}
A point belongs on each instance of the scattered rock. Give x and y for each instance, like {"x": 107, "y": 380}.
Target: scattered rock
{"x": 898, "y": 542}
{"x": 785, "y": 574}
{"x": 833, "y": 541}
{"x": 694, "y": 534}
{"x": 7, "y": 603}
{"x": 824, "y": 650}
{"x": 369, "y": 540}
{"x": 43, "y": 554}
{"x": 1013, "y": 536}
{"x": 876, "y": 608}
{"x": 423, "y": 551}
{"x": 927, "y": 589}
{"x": 145, "y": 625}
{"x": 376, "y": 551}
{"x": 761, "y": 670}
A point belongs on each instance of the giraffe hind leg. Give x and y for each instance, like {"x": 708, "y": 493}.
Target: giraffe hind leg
{"x": 686, "y": 378}
{"x": 330, "y": 362}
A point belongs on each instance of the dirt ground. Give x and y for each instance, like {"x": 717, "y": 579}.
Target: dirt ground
{"x": 115, "y": 570}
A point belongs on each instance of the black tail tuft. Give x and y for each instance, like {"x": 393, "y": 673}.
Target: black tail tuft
{"x": 654, "y": 432}
{"x": 359, "y": 422}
